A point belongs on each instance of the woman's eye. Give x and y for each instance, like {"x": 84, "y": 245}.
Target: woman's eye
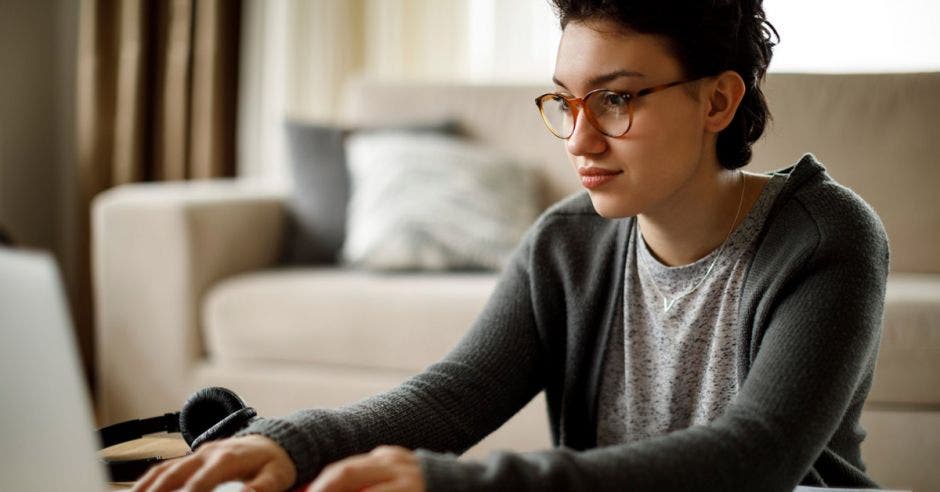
{"x": 615, "y": 100}
{"x": 562, "y": 104}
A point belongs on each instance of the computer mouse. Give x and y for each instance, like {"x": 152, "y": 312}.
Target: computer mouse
{"x": 233, "y": 486}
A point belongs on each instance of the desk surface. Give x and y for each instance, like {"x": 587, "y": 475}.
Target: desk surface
{"x": 170, "y": 446}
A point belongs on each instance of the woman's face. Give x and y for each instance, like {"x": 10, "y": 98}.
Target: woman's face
{"x": 664, "y": 149}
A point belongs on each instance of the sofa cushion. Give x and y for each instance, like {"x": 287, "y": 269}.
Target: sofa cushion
{"x": 908, "y": 368}
{"x": 405, "y": 322}
{"x": 342, "y": 317}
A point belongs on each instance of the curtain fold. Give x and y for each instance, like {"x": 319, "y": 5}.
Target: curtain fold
{"x": 157, "y": 89}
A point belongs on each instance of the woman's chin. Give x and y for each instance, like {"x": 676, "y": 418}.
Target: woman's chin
{"x": 610, "y": 207}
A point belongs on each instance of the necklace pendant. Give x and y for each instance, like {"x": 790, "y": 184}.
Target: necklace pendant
{"x": 667, "y": 304}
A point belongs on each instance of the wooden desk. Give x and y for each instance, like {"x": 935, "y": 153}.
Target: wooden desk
{"x": 167, "y": 445}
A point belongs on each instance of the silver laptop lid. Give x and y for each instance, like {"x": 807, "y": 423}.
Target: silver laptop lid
{"x": 48, "y": 438}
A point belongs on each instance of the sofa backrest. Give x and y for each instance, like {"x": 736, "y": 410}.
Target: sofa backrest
{"x": 878, "y": 134}
{"x": 504, "y": 117}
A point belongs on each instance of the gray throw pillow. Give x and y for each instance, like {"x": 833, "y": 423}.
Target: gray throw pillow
{"x": 316, "y": 219}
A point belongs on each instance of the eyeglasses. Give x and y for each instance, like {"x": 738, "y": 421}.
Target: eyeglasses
{"x": 610, "y": 112}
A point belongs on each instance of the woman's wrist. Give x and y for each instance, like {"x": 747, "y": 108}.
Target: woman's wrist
{"x": 298, "y": 448}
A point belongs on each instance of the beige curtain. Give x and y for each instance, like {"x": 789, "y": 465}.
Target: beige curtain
{"x": 156, "y": 100}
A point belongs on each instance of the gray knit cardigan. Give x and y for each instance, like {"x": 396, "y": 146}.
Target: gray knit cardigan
{"x": 811, "y": 314}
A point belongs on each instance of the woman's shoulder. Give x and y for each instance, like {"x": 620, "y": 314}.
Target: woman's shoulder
{"x": 577, "y": 203}
{"x": 813, "y": 209}
{"x": 572, "y": 227}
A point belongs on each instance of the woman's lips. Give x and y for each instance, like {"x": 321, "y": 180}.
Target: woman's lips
{"x": 595, "y": 177}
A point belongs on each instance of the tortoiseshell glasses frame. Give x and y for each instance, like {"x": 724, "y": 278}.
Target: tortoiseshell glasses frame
{"x": 609, "y": 112}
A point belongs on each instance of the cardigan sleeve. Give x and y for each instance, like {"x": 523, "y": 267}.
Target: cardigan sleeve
{"x": 821, "y": 336}
{"x": 489, "y": 376}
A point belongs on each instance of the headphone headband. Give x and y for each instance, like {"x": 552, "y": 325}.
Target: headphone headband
{"x": 135, "y": 429}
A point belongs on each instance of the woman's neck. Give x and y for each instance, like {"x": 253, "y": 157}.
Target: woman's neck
{"x": 700, "y": 215}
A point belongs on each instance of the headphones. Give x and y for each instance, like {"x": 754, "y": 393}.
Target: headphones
{"x": 209, "y": 414}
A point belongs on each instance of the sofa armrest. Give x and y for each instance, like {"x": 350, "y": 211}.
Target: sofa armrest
{"x": 156, "y": 249}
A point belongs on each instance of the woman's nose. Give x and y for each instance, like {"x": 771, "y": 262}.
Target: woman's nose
{"x": 585, "y": 140}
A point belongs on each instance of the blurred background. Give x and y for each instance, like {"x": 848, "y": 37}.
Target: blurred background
{"x": 99, "y": 93}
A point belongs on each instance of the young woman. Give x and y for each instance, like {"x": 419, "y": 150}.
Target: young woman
{"x": 694, "y": 326}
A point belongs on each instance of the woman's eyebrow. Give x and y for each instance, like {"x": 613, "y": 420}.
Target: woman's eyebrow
{"x": 602, "y": 79}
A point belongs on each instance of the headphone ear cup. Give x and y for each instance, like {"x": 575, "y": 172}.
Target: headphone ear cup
{"x": 206, "y": 409}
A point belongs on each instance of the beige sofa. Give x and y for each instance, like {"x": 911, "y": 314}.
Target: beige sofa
{"x": 187, "y": 293}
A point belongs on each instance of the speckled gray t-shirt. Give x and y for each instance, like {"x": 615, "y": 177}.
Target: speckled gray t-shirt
{"x": 669, "y": 370}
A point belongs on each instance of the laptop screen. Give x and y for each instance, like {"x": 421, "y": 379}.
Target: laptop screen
{"x": 49, "y": 440}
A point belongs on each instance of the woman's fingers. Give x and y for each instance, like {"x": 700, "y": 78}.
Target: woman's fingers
{"x": 261, "y": 472}
{"x": 268, "y": 480}
{"x": 397, "y": 485}
{"x": 253, "y": 458}
{"x": 352, "y": 474}
{"x": 169, "y": 475}
{"x": 148, "y": 478}
{"x": 393, "y": 468}
{"x": 222, "y": 466}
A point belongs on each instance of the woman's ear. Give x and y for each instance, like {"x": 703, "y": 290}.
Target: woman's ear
{"x": 724, "y": 97}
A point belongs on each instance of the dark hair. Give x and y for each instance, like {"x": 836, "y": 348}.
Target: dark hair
{"x": 708, "y": 37}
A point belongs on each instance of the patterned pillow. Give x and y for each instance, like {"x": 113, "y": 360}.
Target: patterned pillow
{"x": 433, "y": 202}
{"x": 316, "y": 219}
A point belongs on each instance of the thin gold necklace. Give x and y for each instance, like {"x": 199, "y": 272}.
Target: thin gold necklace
{"x": 667, "y": 303}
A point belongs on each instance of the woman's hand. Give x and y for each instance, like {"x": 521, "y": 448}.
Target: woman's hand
{"x": 257, "y": 461}
{"x": 385, "y": 469}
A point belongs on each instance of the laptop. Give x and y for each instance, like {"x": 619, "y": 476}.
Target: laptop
{"x": 48, "y": 435}
{"x": 48, "y": 439}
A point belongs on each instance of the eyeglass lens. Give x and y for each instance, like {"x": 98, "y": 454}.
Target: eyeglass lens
{"x": 611, "y": 112}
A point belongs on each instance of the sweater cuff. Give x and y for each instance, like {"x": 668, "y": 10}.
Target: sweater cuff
{"x": 444, "y": 472}
{"x": 302, "y": 451}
